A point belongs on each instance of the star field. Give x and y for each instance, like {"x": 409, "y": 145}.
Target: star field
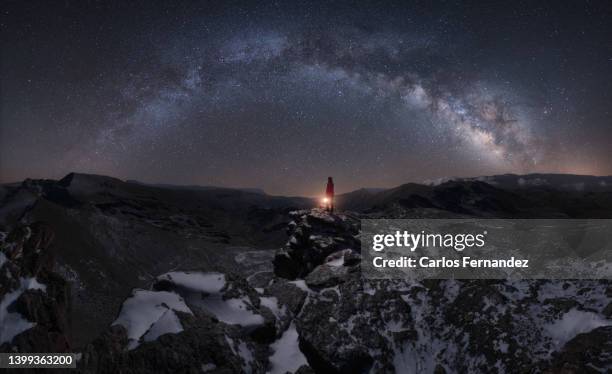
{"x": 281, "y": 95}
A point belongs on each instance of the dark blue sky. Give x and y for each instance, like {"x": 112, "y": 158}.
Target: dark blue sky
{"x": 281, "y": 95}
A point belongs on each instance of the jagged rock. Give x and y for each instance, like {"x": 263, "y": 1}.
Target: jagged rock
{"x": 261, "y": 280}
{"x": 235, "y": 289}
{"x": 344, "y": 329}
{"x": 305, "y": 369}
{"x": 315, "y": 235}
{"x": 204, "y": 343}
{"x": 288, "y": 294}
{"x": 324, "y": 276}
{"x": 40, "y": 297}
{"x": 285, "y": 266}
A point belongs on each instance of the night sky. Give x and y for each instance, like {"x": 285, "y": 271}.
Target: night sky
{"x": 280, "y": 95}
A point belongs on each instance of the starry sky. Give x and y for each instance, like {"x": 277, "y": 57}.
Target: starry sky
{"x": 280, "y": 95}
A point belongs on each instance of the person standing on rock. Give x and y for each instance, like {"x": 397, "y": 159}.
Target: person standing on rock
{"x": 329, "y": 195}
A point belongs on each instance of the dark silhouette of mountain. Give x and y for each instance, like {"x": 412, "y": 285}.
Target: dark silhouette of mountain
{"x": 196, "y": 187}
{"x": 531, "y": 196}
{"x": 562, "y": 182}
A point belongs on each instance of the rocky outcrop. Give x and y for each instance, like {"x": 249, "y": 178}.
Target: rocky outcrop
{"x": 350, "y": 324}
{"x": 314, "y": 235}
{"x": 205, "y": 345}
{"x": 35, "y": 300}
{"x": 192, "y": 321}
{"x": 314, "y": 313}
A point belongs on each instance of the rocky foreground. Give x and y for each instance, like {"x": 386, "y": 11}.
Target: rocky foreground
{"x": 307, "y": 309}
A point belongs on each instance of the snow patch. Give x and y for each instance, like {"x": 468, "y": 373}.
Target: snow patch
{"x": 271, "y": 303}
{"x": 233, "y": 311}
{"x": 236, "y": 311}
{"x": 573, "y": 323}
{"x": 243, "y": 351}
{"x": 286, "y": 356}
{"x": 451, "y": 290}
{"x": 337, "y": 262}
{"x": 204, "y": 282}
{"x": 301, "y": 284}
{"x": 150, "y": 313}
{"x": 168, "y": 323}
{"x": 13, "y": 323}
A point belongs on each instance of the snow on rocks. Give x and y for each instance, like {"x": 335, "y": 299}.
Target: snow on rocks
{"x": 13, "y": 323}
{"x": 316, "y": 235}
{"x": 33, "y": 302}
{"x": 150, "y": 314}
{"x": 301, "y": 284}
{"x": 573, "y": 323}
{"x": 242, "y": 350}
{"x": 336, "y": 259}
{"x": 450, "y": 325}
{"x": 205, "y": 282}
{"x": 286, "y": 356}
{"x": 327, "y": 316}
{"x": 212, "y": 292}
{"x": 271, "y": 303}
{"x": 235, "y": 311}
{"x": 168, "y": 323}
